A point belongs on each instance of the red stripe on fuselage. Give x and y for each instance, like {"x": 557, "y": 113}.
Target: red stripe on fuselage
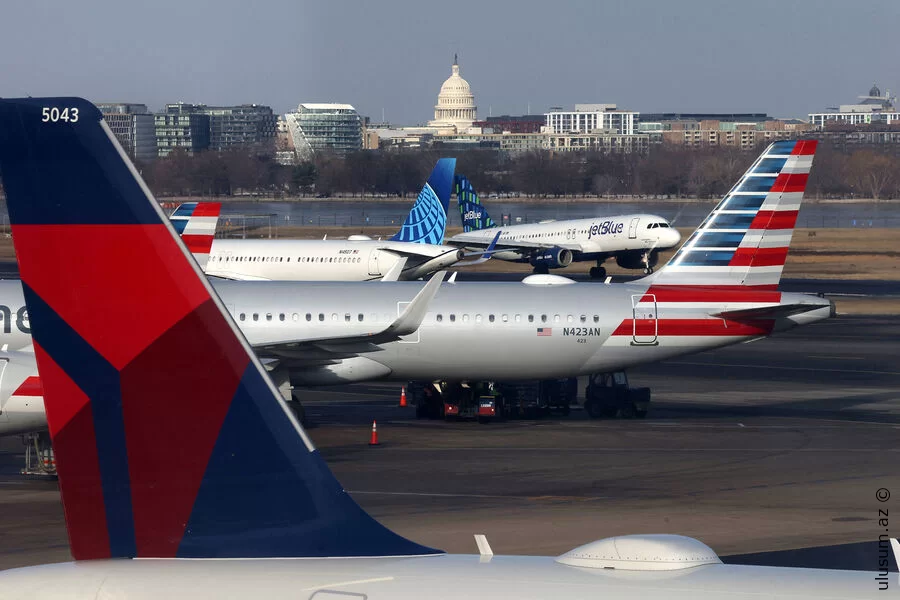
{"x": 758, "y": 257}
{"x": 790, "y": 182}
{"x": 71, "y": 423}
{"x": 805, "y": 147}
{"x": 696, "y": 327}
{"x": 708, "y": 293}
{"x": 30, "y": 387}
{"x": 145, "y": 290}
{"x": 207, "y": 209}
{"x": 166, "y": 462}
{"x": 198, "y": 244}
{"x": 774, "y": 219}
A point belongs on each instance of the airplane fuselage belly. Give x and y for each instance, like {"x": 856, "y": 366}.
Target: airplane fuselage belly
{"x": 439, "y": 577}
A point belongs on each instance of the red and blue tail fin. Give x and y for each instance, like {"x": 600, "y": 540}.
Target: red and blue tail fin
{"x": 124, "y": 323}
{"x": 426, "y": 222}
{"x": 744, "y": 241}
{"x": 196, "y": 223}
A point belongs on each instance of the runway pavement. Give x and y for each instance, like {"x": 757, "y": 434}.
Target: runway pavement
{"x": 774, "y": 445}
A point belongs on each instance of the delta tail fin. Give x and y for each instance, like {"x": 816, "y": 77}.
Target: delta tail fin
{"x": 744, "y": 241}
{"x": 426, "y": 223}
{"x": 472, "y": 212}
{"x": 196, "y": 223}
{"x": 229, "y": 473}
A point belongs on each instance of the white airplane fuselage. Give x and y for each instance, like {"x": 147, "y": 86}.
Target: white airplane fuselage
{"x": 438, "y": 577}
{"x": 598, "y": 238}
{"x": 324, "y": 260}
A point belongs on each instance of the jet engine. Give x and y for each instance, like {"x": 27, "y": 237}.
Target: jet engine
{"x": 635, "y": 260}
{"x": 552, "y": 258}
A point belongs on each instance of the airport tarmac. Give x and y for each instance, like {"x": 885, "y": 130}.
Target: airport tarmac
{"x": 767, "y": 446}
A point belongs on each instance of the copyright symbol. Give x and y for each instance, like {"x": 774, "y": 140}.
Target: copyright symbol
{"x": 883, "y": 495}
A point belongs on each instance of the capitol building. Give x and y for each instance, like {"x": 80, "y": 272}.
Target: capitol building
{"x": 455, "y": 109}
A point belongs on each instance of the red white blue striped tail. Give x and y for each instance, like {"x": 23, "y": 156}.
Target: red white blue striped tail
{"x": 196, "y": 223}
{"x": 744, "y": 241}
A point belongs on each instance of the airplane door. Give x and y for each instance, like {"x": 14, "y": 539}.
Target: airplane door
{"x": 412, "y": 338}
{"x": 4, "y": 418}
{"x": 646, "y": 326}
{"x": 632, "y": 229}
{"x": 373, "y": 263}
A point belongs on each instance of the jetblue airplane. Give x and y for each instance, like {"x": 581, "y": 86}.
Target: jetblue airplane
{"x": 227, "y": 494}
{"x": 413, "y": 252}
{"x": 634, "y": 240}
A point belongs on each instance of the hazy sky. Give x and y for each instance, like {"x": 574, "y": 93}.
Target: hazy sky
{"x": 783, "y": 57}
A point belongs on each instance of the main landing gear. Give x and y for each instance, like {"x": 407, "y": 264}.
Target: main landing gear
{"x": 39, "y": 458}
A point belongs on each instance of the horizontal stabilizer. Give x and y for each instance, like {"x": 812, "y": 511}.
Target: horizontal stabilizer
{"x": 767, "y": 312}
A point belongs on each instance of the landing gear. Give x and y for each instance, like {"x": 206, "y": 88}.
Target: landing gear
{"x": 39, "y": 458}
{"x": 649, "y": 261}
{"x": 598, "y": 272}
{"x": 648, "y": 270}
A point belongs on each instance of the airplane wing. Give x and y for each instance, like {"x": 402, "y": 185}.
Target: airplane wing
{"x": 236, "y": 276}
{"x": 467, "y": 242}
{"x": 332, "y": 348}
{"x": 767, "y": 312}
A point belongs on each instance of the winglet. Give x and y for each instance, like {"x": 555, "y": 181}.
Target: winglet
{"x": 393, "y": 274}
{"x": 408, "y": 321}
{"x": 483, "y": 256}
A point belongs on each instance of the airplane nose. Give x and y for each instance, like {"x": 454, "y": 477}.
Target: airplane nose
{"x": 672, "y": 237}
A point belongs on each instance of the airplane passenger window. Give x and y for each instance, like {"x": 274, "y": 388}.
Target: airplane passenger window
{"x": 308, "y": 317}
{"x": 596, "y": 318}
{"x": 295, "y": 317}
{"x": 504, "y": 318}
{"x": 465, "y": 318}
{"x": 543, "y": 318}
{"x": 439, "y": 317}
{"x": 334, "y": 316}
{"x": 452, "y": 318}
{"x": 584, "y": 318}
{"x": 268, "y": 316}
{"x": 491, "y": 318}
{"x": 478, "y": 318}
{"x": 256, "y": 316}
{"x": 556, "y": 318}
{"x": 243, "y": 316}
{"x": 281, "y": 317}
{"x": 321, "y": 316}
{"x": 518, "y": 318}
{"x": 360, "y": 317}
{"x": 531, "y": 318}
{"x": 347, "y": 317}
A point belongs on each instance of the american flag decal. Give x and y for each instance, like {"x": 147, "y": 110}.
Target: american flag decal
{"x": 544, "y": 331}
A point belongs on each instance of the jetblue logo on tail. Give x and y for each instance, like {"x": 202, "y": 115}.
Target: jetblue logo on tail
{"x": 474, "y": 215}
{"x": 427, "y": 221}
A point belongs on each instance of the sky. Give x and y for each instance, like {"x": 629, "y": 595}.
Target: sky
{"x": 785, "y": 58}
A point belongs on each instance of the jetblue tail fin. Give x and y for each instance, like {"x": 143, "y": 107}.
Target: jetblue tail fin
{"x": 427, "y": 221}
{"x": 230, "y": 473}
{"x": 744, "y": 241}
{"x": 473, "y": 214}
{"x": 196, "y": 223}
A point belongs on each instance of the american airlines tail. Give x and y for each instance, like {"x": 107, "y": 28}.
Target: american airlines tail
{"x": 426, "y": 223}
{"x": 472, "y": 212}
{"x": 196, "y": 223}
{"x": 230, "y": 472}
{"x": 744, "y": 242}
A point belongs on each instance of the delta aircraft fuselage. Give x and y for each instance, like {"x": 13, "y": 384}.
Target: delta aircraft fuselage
{"x": 324, "y": 260}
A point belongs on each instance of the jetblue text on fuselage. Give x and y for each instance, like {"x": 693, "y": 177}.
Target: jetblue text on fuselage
{"x": 604, "y": 228}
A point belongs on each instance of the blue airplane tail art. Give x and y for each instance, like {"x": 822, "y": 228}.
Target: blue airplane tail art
{"x": 427, "y": 221}
{"x": 230, "y": 473}
{"x": 473, "y": 214}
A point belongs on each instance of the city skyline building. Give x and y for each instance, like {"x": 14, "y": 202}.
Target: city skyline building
{"x": 329, "y": 127}
{"x": 591, "y": 118}
{"x": 183, "y": 126}
{"x": 871, "y": 108}
{"x": 455, "y": 107}
{"x": 133, "y": 126}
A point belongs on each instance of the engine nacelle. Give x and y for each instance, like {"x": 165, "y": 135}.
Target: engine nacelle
{"x": 552, "y": 258}
{"x": 635, "y": 260}
{"x": 348, "y": 370}
{"x": 21, "y": 395}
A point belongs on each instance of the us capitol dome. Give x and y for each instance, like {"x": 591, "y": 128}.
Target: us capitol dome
{"x": 456, "y": 103}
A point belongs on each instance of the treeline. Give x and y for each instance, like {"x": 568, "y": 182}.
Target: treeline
{"x": 667, "y": 171}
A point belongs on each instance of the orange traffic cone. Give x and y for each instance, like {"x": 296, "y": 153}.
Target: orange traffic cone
{"x": 374, "y": 439}
{"x": 403, "y": 397}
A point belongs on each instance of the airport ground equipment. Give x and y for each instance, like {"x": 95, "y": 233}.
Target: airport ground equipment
{"x": 609, "y": 395}
{"x": 489, "y": 400}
